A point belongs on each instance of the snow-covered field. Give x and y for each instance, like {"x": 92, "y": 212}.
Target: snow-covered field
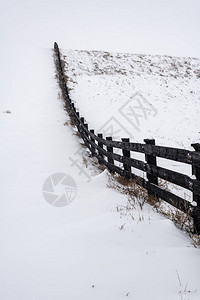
{"x": 140, "y": 97}
{"x": 150, "y": 96}
{"x": 85, "y": 250}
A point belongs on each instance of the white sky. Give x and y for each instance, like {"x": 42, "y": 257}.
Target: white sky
{"x": 154, "y": 26}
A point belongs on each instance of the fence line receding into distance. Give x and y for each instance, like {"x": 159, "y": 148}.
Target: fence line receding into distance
{"x": 104, "y": 150}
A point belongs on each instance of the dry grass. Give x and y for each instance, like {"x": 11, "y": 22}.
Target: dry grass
{"x": 195, "y": 240}
{"x": 68, "y": 110}
{"x": 77, "y": 133}
{"x": 138, "y": 196}
{"x": 182, "y": 220}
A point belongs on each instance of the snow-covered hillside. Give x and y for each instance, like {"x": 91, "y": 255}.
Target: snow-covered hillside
{"x": 150, "y": 96}
{"x": 139, "y": 96}
{"x": 88, "y": 250}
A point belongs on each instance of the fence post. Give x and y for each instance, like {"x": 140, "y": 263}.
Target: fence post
{"x": 86, "y": 136}
{"x": 73, "y": 106}
{"x": 110, "y": 154}
{"x": 126, "y": 153}
{"x": 66, "y": 92}
{"x": 100, "y": 144}
{"x": 78, "y": 121}
{"x": 55, "y": 46}
{"x": 92, "y": 140}
{"x": 151, "y": 160}
{"x": 81, "y": 126}
{"x": 73, "y": 112}
{"x": 82, "y": 120}
{"x": 196, "y": 197}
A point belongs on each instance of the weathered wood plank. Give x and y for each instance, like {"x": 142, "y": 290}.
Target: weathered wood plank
{"x": 93, "y": 148}
{"x": 110, "y": 154}
{"x": 171, "y": 176}
{"x": 179, "y": 155}
{"x": 175, "y": 154}
{"x": 196, "y": 172}
{"x": 151, "y": 160}
{"x": 138, "y": 164}
{"x": 169, "y": 197}
{"x": 139, "y": 180}
{"x": 100, "y": 146}
{"x": 126, "y": 154}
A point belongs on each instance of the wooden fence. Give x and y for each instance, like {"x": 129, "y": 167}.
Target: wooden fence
{"x": 104, "y": 150}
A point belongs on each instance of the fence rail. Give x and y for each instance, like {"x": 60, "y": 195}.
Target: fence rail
{"x": 108, "y": 156}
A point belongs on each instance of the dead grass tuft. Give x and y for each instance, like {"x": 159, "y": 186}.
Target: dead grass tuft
{"x": 77, "y": 133}
{"x": 182, "y": 220}
{"x": 138, "y": 196}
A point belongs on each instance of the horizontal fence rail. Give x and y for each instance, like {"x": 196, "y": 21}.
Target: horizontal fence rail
{"x": 96, "y": 143}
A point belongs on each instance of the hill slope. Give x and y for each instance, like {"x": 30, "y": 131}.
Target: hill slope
{"x": 150, "y": 96}
{"x": 86, "y": 250}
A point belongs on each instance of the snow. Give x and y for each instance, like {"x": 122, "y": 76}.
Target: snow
{"x": 83, "y": 250}
{"x": 116, "y": 86}
{"x": 110, "y": 84}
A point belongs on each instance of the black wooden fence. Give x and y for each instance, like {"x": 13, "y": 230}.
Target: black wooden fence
{"x": 104, "y": 150}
